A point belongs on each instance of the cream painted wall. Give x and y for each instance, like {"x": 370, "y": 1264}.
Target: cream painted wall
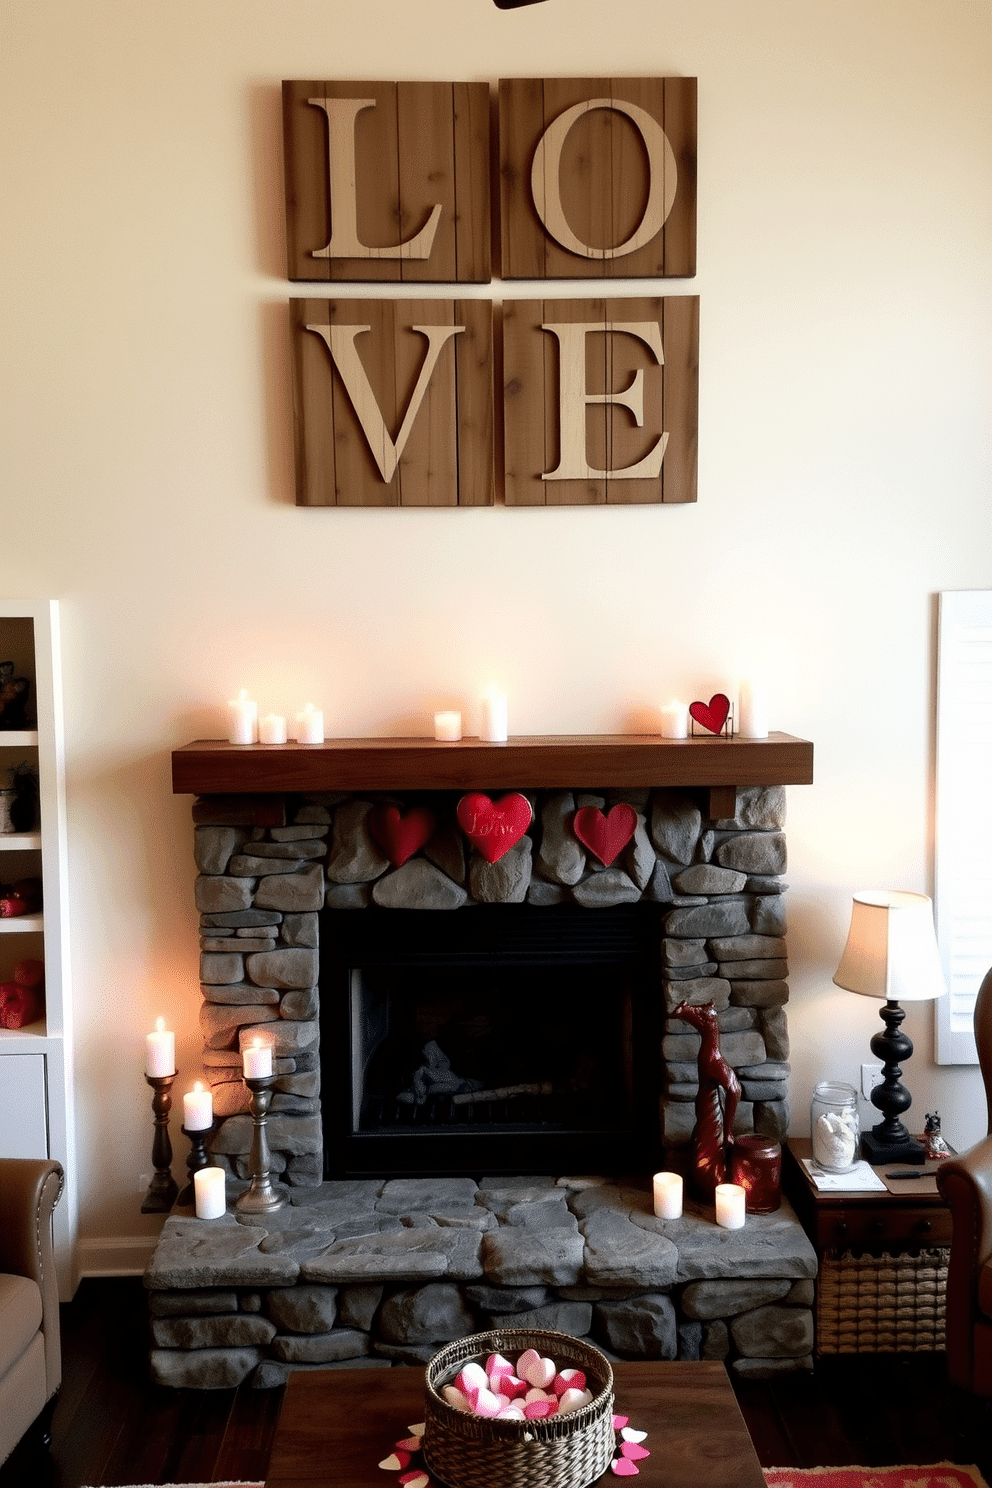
{"x": 845, "y": 244}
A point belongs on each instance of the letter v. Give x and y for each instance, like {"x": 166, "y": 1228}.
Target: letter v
{"x": 340, "y": 342}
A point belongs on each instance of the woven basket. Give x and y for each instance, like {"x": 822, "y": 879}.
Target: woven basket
{"x": 571, "y": 1451}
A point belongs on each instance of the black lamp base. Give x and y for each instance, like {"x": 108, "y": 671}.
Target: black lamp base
{"x": 876, "y": 1150}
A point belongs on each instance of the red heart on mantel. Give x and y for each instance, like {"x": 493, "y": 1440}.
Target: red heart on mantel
{"x": 712, "y": 715}
{"x": 400, "y": 834}
{"x": 605, "y": 836}
{"x": 494, "y": 826}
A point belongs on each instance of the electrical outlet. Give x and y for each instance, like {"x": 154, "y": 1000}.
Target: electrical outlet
{"x": 144, "y": 1179}
{"x": 871, "y": 1075}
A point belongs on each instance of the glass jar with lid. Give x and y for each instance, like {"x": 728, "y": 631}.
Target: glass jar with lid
{"x": 834, "y": 1126}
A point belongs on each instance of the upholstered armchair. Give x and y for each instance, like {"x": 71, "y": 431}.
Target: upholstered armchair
{"x": 30, "y": 1349}
{"x": 966, "y": 1184}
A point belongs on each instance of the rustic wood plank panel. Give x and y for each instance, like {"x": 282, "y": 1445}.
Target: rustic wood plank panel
{"x": 549, "y": 761}
{"x": 601, "y": 171}
{"x": 409, "y": 165}
{"x": 576, "y": 447}
{"x": 389, "y": 414}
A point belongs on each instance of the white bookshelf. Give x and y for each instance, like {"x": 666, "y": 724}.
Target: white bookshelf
{"x": 36, "y": 1079}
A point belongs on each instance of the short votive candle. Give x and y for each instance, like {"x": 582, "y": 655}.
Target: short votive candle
{"x": 257, "y": 1059}
{"x": 493, "y": 716}
{"x": 674, "y": 722}
{"x": 242, "y": 719}
{"x": 310, "y": 725}
{"x": 448, "y": 727}
{"x": 272, "y": 729}
{"x": 667, "y": 1195}
{"x": 209, "y": 1193}
{"x": 730, "y": 1206}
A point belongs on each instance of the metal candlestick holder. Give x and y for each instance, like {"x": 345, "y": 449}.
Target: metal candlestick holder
{"x": 198, "y": 1158}
{"x": 262, "y": 1196}
{"x": 163, "y": 1188}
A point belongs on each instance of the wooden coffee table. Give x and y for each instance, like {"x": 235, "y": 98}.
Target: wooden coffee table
{"x": 336, "y": 1425}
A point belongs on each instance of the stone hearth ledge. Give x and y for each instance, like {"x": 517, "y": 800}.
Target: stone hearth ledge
{"x": 369, "y": 1273}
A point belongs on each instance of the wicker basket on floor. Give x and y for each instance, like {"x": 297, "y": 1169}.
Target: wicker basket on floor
{"x": 570, "y": 1451}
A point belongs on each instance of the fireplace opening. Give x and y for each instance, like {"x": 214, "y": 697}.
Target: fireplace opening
{"x": 499, "y": 1038}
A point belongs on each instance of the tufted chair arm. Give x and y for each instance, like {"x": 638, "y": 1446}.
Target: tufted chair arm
{"x": 966, "y": 1184}
{"x": 29, "y": 1190}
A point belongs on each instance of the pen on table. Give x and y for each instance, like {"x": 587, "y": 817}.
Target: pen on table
{"x": 910, "y": 1173}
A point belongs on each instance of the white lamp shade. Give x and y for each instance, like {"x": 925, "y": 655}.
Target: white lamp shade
{"x": 891, "y": 949}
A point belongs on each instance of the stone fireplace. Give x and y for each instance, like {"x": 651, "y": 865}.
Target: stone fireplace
{"x": 431, "y": 1021}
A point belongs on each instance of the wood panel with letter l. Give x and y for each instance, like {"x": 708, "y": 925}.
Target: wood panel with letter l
{"x": 387, "y": 181}
{"x": 393, "y": 402}
{"x": 600, "y": 401}
{"x": 598, "y": 178}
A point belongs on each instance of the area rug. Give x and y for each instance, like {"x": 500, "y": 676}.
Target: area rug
{"x": 934, "y": 1475}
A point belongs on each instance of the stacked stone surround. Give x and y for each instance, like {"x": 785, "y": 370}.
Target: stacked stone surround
{"x": 375, "y": 1272}
{"x": 261, "y": 890}
{"x": 371, "y": 1273}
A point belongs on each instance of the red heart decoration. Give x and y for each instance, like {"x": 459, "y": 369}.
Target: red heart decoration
{"x": 494, "y": 826}
{"x": 398, "y": 834}
{"x": 712, "y": 715}
{"x": 605, "y": 836}
{"x": 624, "y": 1468}
{"x": 633, "y": 1451}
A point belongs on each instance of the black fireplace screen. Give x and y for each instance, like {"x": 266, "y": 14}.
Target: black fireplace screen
{"x": 493, "y": 1039}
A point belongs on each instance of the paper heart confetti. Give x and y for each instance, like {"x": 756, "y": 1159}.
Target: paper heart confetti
{"x": 400, "y": 834}
{"x": 711, "y": 715}
{"x": 417, "y": 1479}
{"x": 396, "y": 1461}
{"x": 633, "y": 1451}
{"x": 605, "y": 836}
{"x": 494, "y": 826}
{"x": 619, "y": 1422}
{"x": 627, "y": 1432}
{"x": 624, "y": 1468}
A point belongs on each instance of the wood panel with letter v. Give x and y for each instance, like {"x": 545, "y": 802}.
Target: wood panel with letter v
{"x": 387, "y": 181}
{"x": 600, "y": 401}
{"x": 393, "y": 402}
{"x": 597, "y": 178}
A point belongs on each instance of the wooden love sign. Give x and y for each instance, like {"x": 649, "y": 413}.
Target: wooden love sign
{"x": 393, "y": 399}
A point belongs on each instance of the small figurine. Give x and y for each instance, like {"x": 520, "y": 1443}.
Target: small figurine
{"x": 717, "y": 1097}
{"x": 13, "y": 697}
{"x": 934, "y": 1145}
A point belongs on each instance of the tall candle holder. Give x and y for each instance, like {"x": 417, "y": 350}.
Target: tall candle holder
{"x": 163, "y": 1189}
{"x": 262, "y": 1196}
{"x": 198, "y": 1158}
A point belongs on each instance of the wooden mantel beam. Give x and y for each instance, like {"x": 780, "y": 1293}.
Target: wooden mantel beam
{"x": 549, "y": 761}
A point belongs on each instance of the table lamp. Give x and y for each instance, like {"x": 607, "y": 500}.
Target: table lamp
{"x": 891, "y": 953}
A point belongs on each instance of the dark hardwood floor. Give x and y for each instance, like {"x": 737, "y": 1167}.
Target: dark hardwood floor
{"x": 112, "y": 1426}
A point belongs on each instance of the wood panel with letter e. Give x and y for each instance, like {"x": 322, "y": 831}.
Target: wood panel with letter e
{"x": 387, "y": 181}
{"x": 393, "y": 402}
{"x": 600, "y": 401}
{"x": 598, "y": 177}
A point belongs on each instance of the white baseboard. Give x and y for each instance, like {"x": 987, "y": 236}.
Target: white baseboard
{"x": 117, "y": 1256}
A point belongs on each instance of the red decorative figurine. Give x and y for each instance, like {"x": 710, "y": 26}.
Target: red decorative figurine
{"x": 716, "y": 1102}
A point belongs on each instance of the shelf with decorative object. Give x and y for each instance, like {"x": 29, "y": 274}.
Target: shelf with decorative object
{"x": 36, "y": 1078}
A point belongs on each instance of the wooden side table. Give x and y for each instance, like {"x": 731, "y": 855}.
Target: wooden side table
{"x": 883, "y": 1259}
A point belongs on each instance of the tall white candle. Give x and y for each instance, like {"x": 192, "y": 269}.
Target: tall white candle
{"x": 242, "y": 719}
{"x": 198, "y": 1108}
{"x": 752, "y": 711}
{"x": 493, "y": 715}
{"x": 667, "y": 1195}
{"x": 257, "y": 1060}
{"x": 310, "y": 726}
{"x": 272, "y": 729}
{"x": 730, "y": 1199}
{"x": 448, "y": 727}
{"x": 160, "y": 1050}
{"x": 209, "y": 1193}
{"x": 674, "y": 721}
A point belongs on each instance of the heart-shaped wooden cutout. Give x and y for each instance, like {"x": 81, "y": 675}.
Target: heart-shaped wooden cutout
{"x": 605, "y": 836}
{"x": 494, "y": 826}
{"x": 400, "y": 833}
{"x": 712, "y": 715}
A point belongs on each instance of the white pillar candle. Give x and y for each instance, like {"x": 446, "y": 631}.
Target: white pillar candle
{"x": 198, "y": 1108}
{"x": 493, "y": 712}
{"x": 209, "y": 1193}
{"x": 310, "y": 726}
{"x": 160, "y": 1050}
{"x": 674, "y": 721}
{"x": 257, "y": 1060}
{"x": 667, "y": 1195}
{"x": 243, "y": 719}
{"x": 752, "y": 711}
{"x": 272, "y": 729}
{"x": 730, "y": 1199}
{"x": 448, "y": 727}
